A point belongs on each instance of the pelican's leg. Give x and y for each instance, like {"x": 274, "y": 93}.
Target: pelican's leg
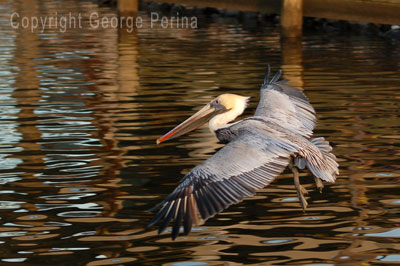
{"x": 319, "y": 184}
{"x": 300, "y": 189}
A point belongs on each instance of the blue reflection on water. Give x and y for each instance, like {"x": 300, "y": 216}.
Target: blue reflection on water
{"x": 391, "y": 258}
{"x": 277, "y": 241}
{"x": 189, "y": 263}
{"x": 390, "y": 233}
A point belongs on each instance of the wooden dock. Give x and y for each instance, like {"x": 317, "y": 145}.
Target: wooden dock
{"x": 373, "y": 11}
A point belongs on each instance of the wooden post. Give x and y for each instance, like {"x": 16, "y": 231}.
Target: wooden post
{"x": 291, "y": 18}
{"x": 126, "y": 7}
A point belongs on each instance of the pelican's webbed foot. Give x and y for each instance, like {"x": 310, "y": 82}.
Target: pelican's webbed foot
{"x": 301, "y": 191}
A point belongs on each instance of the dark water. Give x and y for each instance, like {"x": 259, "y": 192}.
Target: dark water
{"x": 80, "y": 112}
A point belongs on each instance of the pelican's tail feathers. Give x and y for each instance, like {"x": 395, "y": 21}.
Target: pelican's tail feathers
{"x": 322, "y": 164}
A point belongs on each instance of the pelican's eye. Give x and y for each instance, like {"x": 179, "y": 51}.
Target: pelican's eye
{"x": 215, "y": 103}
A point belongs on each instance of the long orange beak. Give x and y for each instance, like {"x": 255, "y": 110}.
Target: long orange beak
{"x": 193, "y": 122}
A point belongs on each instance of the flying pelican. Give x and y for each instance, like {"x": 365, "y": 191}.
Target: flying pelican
{"x": 257, "y": 150}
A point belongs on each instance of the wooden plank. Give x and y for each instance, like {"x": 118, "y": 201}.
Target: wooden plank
{"x": 265, "y": 6}
{"x": 363, "y": 11}
{"x": 374, "y": 11}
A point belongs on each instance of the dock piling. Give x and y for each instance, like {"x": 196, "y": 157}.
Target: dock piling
{"x": 126, "y": 7}
{"x": 292, "y": 18}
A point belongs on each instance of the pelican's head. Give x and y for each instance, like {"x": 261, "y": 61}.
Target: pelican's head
{"x": 219, "y": 112}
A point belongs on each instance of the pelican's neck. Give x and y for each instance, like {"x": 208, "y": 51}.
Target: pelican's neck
{"x": 222, "y": 120}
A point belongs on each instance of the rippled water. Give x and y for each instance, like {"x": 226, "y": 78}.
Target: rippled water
{"x": 80, "y": 112}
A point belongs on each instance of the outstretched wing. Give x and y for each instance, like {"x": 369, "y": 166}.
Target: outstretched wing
{"x": 248, "y": 163}
{"x": 286, "y": 106}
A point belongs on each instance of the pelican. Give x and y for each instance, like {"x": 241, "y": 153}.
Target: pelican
{"x": 257, "y": 150}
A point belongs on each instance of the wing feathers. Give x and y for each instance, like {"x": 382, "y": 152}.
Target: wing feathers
{"x": 230, "y": 193}
{"x": 286, "y": 106}
{"x": 207, "y": 194}
{"x": 178, "y": 218}
{"x": 201, "y": 205}
{"x": 267, "y": 75}
{"x": 276, "y": 77}
{"x": 168, "y": 217}
{"x": 190, "y": 215}
{"x": 248, "y": 163}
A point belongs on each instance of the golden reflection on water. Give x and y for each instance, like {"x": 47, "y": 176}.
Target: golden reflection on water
{"x": 81, "y": 112}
